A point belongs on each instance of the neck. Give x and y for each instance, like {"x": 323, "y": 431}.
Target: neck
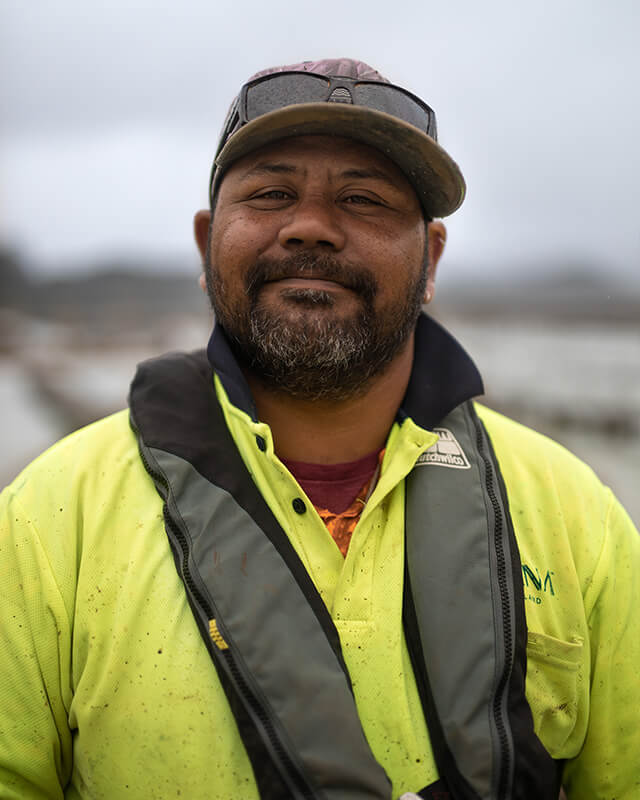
{"x": 333, "y": 432}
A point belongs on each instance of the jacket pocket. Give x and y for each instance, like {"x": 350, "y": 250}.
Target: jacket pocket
{"x": 553, "y": 681}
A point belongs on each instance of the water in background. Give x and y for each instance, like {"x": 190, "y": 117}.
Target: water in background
{"x": 578, "y": 383}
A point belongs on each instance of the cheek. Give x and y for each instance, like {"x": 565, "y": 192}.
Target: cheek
{"x": 236, "y": 238}
{"x": 406, "y": 251}
{"x": 402, "y": 266}
{"x": 404, "y": 238}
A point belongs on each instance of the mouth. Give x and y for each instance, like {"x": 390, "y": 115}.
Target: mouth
{"x": 316, "y": 284}
{"x": 307, "y": 275}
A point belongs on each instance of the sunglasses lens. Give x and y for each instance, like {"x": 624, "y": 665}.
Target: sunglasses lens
{"x": 289, "y": 89}
{"x": 394, "y": 102}
{"x": 284, "y": 90}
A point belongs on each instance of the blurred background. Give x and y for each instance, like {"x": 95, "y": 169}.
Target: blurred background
{"x": 110, "y": 117}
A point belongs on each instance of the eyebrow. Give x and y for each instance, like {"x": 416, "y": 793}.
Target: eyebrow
{"x": 282, "y": 168}
{"x": 271, "y": 168}
{"x": 368, "y": 174}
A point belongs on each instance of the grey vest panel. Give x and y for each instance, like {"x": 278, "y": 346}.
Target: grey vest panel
{"x": 464, "y": 605}
{"x": 271, "y": 641}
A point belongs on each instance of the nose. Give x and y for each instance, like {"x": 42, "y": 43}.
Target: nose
{"x": 313, "y": 224}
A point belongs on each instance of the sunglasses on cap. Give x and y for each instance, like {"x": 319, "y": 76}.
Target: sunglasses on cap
{"x": 281, "y": 89}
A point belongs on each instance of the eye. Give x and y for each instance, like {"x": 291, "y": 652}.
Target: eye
{"x": 272, "y": 194}
{"x": 360, "y": 200}
{"x": 269, "y": 198}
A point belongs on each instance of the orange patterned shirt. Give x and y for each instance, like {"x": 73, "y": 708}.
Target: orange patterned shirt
{"x": 334, "y": 485}
{"x": 341, "y": 525}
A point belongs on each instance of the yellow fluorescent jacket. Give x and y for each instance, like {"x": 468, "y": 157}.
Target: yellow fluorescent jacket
{"x": 108, "y": 691}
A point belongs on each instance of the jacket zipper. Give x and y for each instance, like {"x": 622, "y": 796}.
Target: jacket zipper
{"x": 505, "y": 750}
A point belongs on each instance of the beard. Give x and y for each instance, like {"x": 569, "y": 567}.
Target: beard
{"x": 308, "y": 352}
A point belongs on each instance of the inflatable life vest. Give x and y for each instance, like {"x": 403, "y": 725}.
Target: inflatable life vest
{"x": 463, "y": 599}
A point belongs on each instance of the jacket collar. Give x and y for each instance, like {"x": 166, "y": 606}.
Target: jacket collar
{"x": 443, "y": 375}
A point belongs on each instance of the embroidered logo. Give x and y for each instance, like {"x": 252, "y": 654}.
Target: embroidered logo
{"x": 534, "y": 582}
{"x": 446, "y": 452}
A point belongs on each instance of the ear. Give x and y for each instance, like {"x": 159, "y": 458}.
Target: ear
{"x": 436, "y": 239}
{"x": 201, "y": 223}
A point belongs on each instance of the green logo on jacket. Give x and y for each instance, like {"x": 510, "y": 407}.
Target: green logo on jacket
{"x": 536, "y": 583}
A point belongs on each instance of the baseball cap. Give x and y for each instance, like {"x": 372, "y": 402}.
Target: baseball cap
{"x": 342, "y": 97}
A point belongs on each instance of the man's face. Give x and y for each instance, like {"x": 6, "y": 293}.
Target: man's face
{"x": 316, "y": 264}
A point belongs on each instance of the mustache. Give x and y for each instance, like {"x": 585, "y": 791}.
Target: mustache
{"x": 311, "y": 265}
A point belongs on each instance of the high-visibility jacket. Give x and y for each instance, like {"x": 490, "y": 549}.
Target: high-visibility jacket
{"x": 109, "y": 690}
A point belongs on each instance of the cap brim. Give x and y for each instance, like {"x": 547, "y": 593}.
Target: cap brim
{"x": 432, "y": 172}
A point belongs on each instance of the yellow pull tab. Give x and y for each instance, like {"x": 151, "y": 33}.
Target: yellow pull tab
{"x": 217, "y": 636}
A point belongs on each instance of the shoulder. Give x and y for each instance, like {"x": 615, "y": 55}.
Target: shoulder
{"x": 89, "y": 470}
{"x": 561, "y": 511}
{"x": 109, "y": 440}
{"x": 528, "y": 458}
{"x": 71, "y": 497}
{"x": 80, "y": 502}
{"x": 556, "y": 501}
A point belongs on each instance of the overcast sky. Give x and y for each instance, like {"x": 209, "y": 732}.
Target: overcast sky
{"x": 111, "y": 112}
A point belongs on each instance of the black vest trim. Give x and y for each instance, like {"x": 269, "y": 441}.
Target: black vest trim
{"x": 436, "y": 791}
{"x": 533, "y": 767}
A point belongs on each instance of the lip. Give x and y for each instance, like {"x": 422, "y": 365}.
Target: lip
{"x": 320, "y": 284}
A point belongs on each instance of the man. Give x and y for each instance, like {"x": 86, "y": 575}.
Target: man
{"x": 296, "y": 568}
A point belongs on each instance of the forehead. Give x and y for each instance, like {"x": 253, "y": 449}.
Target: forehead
{"x": 336, "y": 152}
